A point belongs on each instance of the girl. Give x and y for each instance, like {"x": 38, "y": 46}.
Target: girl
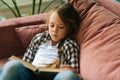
{"x": 48, "y": 47}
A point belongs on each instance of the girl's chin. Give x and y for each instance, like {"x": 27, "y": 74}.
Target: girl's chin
{"x": 54, "y": 40}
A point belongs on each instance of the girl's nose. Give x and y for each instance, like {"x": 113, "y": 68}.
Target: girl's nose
{"x": 55, "y": 29}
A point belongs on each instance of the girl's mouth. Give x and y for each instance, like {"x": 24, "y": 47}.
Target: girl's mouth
{"x": 54, "y": 35}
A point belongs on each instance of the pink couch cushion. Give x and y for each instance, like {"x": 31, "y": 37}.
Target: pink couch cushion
{"x": 112, "y": 5}
{"x": 99, "y": 39}
{"x": 26, "y": 33}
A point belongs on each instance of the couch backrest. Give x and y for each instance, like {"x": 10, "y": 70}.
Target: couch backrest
{"x": 99, "y": 40}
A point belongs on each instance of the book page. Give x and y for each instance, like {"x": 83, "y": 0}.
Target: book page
{"x": 26, "y": 64}
{"x": 32, "y": 67}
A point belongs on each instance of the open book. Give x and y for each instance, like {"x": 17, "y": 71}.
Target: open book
{"x": 32, "y": 67}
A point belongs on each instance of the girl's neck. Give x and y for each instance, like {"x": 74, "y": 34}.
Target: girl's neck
{"x": 54, "y": 43}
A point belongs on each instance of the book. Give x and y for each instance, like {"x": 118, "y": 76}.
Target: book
{"x": 34, "y": 68}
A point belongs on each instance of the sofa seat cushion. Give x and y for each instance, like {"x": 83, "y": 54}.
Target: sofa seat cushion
{"x": 26, "y": 33}
{"x": 99, "y": 39}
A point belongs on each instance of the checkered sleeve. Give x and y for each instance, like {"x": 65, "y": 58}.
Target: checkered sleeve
{"x": 71, "y": 53}
{"x": 32, "y": 49}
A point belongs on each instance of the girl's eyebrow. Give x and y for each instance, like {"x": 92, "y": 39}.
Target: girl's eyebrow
{"x": 57, "y": 24}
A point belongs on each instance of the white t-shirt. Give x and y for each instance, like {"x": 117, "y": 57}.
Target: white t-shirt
{"x": 45, "y": 55}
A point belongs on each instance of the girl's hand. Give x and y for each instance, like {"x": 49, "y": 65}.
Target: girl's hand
{"x": 68, "y": 67}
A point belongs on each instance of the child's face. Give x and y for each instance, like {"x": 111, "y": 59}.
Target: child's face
{"x": 56, "y": 28}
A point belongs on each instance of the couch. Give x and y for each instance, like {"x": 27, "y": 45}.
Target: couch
{"x": 98, "y": 37}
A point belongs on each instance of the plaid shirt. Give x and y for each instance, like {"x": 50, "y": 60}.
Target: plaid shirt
{"x": 69, "y": 55}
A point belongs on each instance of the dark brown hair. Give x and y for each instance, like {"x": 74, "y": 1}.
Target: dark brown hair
{"x": 69, "y": 16}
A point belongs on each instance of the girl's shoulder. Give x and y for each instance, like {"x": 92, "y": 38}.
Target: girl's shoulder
{"x": 70, "y": 42}
{"x": 70, "y": 45}
{"x": 41, "y": 37}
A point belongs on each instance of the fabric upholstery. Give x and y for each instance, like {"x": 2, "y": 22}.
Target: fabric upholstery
{"x": 112, "y": 5}
{"x": 26, "y": 33}
{"x": 9, "y": 42}
{"x": 24, "y": 21}
{"x": 99, "y": 39}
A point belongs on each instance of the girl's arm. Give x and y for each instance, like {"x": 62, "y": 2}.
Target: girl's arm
{"x": 71, "y": 55}
{"x": 32, "y": 48}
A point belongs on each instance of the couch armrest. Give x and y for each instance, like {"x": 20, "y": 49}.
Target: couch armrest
{"x": 10, "y": 43}
{"x": 24, "y": 21}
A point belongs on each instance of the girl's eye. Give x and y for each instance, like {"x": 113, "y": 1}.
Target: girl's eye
{"x": 51, "y": 25}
